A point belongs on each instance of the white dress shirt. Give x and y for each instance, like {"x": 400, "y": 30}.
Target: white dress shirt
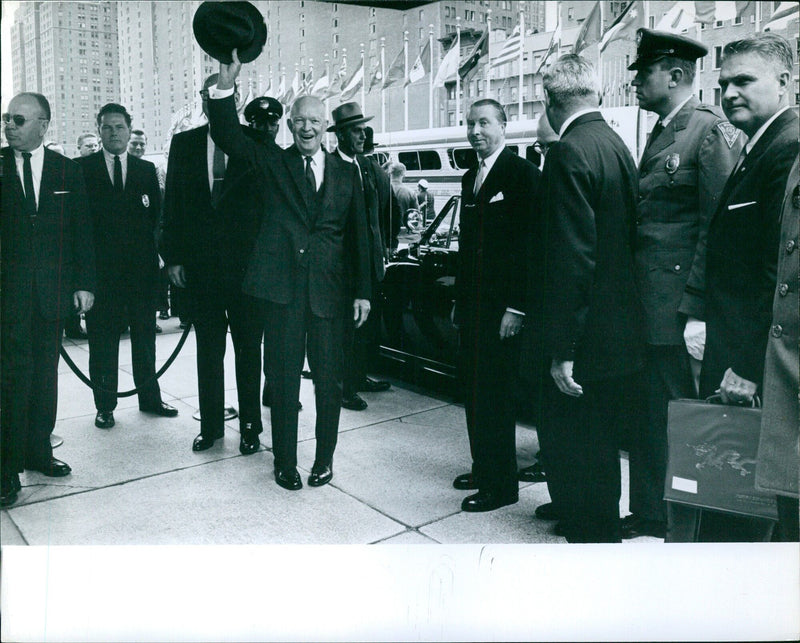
{"x": 668, "y": 118}
{"x": 752, "y": 142}
{"x": 317, "y": 166}
{"x": 123, "y": 159}
{"x": 37, "y": 166}
{"x": 577, "y": 114}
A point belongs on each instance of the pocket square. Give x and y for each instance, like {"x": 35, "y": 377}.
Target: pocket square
{"x": 497, "y": 197}
{"x": 61, "y": 192}
{"x": 736, "y": 206}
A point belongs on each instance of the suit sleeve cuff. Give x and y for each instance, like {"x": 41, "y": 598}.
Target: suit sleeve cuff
{"x": 213, "y": 92}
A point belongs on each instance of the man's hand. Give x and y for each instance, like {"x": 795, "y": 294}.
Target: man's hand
{"x": 511, "y": 324}
{"x": 176, "y": 275}
{"x": 228, "y": 73}
{"x": 360, "y": 311}
{"x": 82, "y": 301}
{"x": 694, "y": 336}
{"x": 562, "y": 375}
{"x": 734, "y": 389}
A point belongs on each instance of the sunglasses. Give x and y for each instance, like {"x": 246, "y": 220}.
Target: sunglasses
{"x": 19, "y": 119}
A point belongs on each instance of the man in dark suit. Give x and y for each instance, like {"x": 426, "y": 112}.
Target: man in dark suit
{"x": 125, "y": 202}
{"x": 209, "y": 230}
{"x": 360, "y": 344}
{"x": 313, "y": 227}
{"x": 742, "y": 247}
{"x": 690, "y": 154}
{"x": 499, "y": 231}
{"x": 593, "y": 319}
{"x": 48, "y": 273}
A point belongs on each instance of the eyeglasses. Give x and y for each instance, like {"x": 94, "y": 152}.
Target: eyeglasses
{"x": 19, "y": 119}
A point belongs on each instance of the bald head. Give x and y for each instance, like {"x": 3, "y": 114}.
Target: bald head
{"x": 307, "y": 123}
{"x": 35, "y": 111}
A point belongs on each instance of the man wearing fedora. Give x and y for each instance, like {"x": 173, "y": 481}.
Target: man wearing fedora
{"x": 688, "y": 157}
{"x": 349, "y": 126}
{"x": 210, "y": 224}
{"x": 312, "y": 237}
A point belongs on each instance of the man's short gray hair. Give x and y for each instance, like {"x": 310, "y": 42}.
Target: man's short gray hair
{"x": 571, "y": 79}
{"x": 769, "y": 46}
{"x": 397, "y": 170}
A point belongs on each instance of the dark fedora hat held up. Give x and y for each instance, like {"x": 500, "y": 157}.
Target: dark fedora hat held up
{"x": 221, "y": 27}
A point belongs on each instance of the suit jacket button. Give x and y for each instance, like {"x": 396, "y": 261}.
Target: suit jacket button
{"x": 783, "y": 289}
{"x": 790, "y": 246}
{"x": 777, "y": 330}
{"x": 677, "y": 267}
{"x": 302, "y": 251}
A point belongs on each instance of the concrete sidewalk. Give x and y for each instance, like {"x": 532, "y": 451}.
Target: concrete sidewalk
{"x": 140, "y": 483}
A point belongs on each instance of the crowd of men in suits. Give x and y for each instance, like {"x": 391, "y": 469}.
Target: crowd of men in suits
{"x": 625, "y": 287}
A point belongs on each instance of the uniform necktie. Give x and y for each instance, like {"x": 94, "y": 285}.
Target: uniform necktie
{"x": 310, "y": 178}
{"x": 656, "y": 131}
{"x": 479, "y": 177}
{"x": 218, "y": 172}
{"x": 118, "y": 185}
{"x": 27, "y": 181}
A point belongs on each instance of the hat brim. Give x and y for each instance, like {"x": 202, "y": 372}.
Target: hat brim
{"x": 350, "y": 122}
{"x": 211, "y": 14}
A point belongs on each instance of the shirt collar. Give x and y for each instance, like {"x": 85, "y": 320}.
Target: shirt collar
{"x": 123, "y": 157}
{"x": 666, "y": 120}
{"x": 752, "y": 142}
{"x": 577, "y": 114}
{"x": 489, "y": 161}
{"x": 36, "y": 154}
{"x": 349, "y": 159}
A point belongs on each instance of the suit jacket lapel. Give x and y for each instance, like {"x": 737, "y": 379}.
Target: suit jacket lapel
{"x": 48, "y": 183}
{"x": 667, "y": 136}
{"x": 495, "y": 176}
{"x": 329, "y": 182}
{"x": 14, "y": 180}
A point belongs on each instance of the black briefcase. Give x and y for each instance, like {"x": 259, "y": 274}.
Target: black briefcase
{"x": 712, "y": 458}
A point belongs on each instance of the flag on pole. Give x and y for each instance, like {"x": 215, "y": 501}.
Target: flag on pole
{"x": 785, "y": 12}
{"x": 625, "y": 26}
{"x": 679, "y": 18}
{"x": 321, "y": 86}
{"x": 511, "y": 48}
{"x": 590, "y": 32}
{"x": 353, "y": 85}
{"x": 708, "y": 12}
{"x": 449, "y": 66}
{"x": 294, "y": 90}
{"x": 421, "y": 66}
{"x": 474, "y": 57}
{"x": 397, "y": 70}
{"x": 555, "y": 45}
{"x": 376, "y": 75}
{"x": 281, "y": 88}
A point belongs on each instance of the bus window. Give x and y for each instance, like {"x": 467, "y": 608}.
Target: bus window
{"x": 464, "y": 158}
{"x": 409, "y": 159}
{"x": 429, "y": 160}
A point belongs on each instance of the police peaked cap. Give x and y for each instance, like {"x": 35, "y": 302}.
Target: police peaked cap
{"x": 263, "y": 109}
{"x": 655, "y": 45}
{"x": 221, "y": 27}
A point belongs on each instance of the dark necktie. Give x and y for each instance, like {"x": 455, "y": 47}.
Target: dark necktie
{"x": 218, "y": 170}
{"x": 656, "y": 131}
{"x": 118, "y": 185}
{"x": 27, "y": 181}
{"x": 310, "y": 178}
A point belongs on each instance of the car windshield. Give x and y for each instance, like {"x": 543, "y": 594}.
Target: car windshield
{"x": 443, "y": 230}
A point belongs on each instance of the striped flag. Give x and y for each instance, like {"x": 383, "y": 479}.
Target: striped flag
{"x": 376, "y": 76}
{"x": 680, "y": 17}
{"x": 421, "y": 66}
{"x": 511, "y": 49}
{"x": 321, "y": 86}
{"x": 293, "y": 91}
{"x": 449, "y": 66}
{"x": 474, "y": 57}
{"x": 625, "y": 26}
{"x": 397, "y": 70}
{"x": 785, "y": 12}
{"x": 354, "y": 84}
{"x": 590, "y": 32}
{"x": 555, "y": 46}
{"x": 707, "y": 12}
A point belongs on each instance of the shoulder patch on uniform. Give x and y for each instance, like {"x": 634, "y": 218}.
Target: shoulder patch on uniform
{"x": 729, "y": 132}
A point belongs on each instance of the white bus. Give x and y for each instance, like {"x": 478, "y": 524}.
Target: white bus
{"x": 442, "y": 155}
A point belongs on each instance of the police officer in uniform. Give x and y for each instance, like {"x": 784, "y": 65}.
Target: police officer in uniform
{"x": 688, "y": 158}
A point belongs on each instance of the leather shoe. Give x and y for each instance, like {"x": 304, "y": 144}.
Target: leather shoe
{"x": 162, "y": 409}
{"x": 465, "y": 482}
{"x": 104, "y": 420}
{"x": 373, "y": 386}
{"x": 203, "y": 442}
{"x": 488, "y": 501}
{"x": 9, "y": 490}
{"x": 547, "y": 512}
{"x": 355, "y": 402}
{"x": 320, "y": 474}
{"x": 248, "y": 440}
{"x": 52, "y": 468}
{"x": 163, "y": 315}
{"x": 288, "y": 479}
{"x": 75, "y": 335}
{"x": 632, "y": 526}
{"x": 533, "y": 473}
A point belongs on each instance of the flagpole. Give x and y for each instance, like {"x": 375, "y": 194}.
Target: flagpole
{"x": 430, "y": 77}
{"x": 458, "y": 76}
{"x": 405, "y": 85}
{"x": 600, "y": 52}
{"x": 521, "y": 51}
{"x": 383, "y": 75}
{"x": 363, "y": 82}
{"x": 757, "y": 14}
{"x": 488, "y": 53}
